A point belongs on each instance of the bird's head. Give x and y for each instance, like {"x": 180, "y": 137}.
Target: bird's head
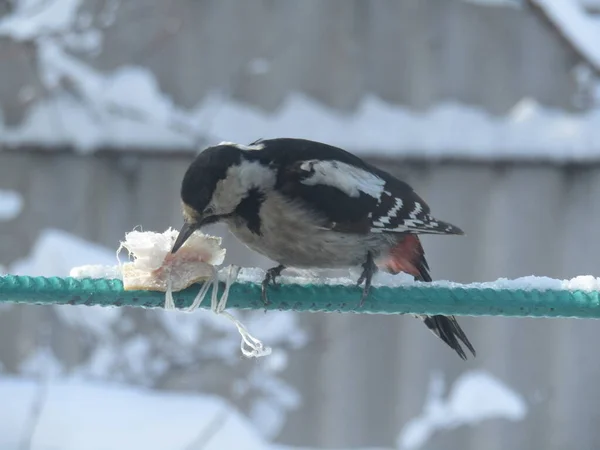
{"x": 217, "y": 182}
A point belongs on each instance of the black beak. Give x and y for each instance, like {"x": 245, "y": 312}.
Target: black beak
{"x": 186, "y": 231}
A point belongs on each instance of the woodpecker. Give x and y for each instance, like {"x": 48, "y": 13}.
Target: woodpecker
{"x": 306, "y": 204}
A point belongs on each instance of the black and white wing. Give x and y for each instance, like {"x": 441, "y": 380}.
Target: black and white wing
{"x": 352, "y": 195}
{"x": 401, "y": 210}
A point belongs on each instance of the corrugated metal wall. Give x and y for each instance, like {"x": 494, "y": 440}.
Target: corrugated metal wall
{"x": 363, "y": 377}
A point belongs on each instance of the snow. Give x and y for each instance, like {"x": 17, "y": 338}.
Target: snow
{"x": 580, "y": 283}
{"x": 126, "y": 109}
{"x": 278, "y": 397}
{"x": 53, "y": 254}
{"x": 99, "y": 321}
{"x": 56, "y": 252}
{"x": 123, "y": 108}
{"x": 448, "y": 129}
{"x": 475, "y": 397}
{"x": 88, "y": 416}
{"x": 11, "y": 204}
{"x": 78, "y": 415}
{"x": 96, "y": 271}
{"x": 581, "y": 29}
{"x": 89, "y": 41}
{"x": 42, "y": 362}
{"x": 445, "y": 130}
{"x": 34, "y": 18}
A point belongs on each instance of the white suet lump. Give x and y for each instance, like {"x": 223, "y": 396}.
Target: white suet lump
{"x": 153, "y": 266}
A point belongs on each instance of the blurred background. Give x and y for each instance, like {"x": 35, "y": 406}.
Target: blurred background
{"x": 490, "y": 109}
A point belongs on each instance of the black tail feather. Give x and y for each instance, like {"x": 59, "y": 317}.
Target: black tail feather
{"x": 408, "y": 256}
{"x": 449, "y": 331}
{"x": 444, "y": 327}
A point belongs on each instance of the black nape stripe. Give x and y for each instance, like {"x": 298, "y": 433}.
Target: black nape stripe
{"x": 249, "y": 208}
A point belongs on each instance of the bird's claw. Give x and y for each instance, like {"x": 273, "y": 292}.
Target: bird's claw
{"x": 270, "y": 278}
{"x": 369, "y": 269}
{"x": 365, "y": 294}
{"x": 361, "y": 278}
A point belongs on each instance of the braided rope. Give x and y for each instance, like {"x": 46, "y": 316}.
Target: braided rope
{"x": 413, "y": 299}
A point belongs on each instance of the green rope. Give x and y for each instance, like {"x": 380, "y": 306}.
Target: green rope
{"x": 413, "y": 299}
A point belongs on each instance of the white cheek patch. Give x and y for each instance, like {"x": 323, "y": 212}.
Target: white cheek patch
{"x": 348, "y": 179}
{"x": 230, "y": 191}
{"x": 252, "y": 174}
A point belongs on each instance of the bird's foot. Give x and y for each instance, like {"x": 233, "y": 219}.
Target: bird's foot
{"x": 369, "y": 269}
{"x": 270, "y": 277}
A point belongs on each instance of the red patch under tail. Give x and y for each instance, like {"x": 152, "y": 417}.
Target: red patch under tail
{"x": 408, "y": 256}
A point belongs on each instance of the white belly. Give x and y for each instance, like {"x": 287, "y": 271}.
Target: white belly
{"x": 290, "y": 237}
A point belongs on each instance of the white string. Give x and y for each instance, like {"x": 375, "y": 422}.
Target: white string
{"x": 169, "y": 301}
{"x": 199, "y": 297}
{"x": 121, "y": 246}
{"x": 250, "y": 346}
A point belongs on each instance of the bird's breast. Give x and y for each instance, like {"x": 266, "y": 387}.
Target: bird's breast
{"x": 295, "y": 236}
